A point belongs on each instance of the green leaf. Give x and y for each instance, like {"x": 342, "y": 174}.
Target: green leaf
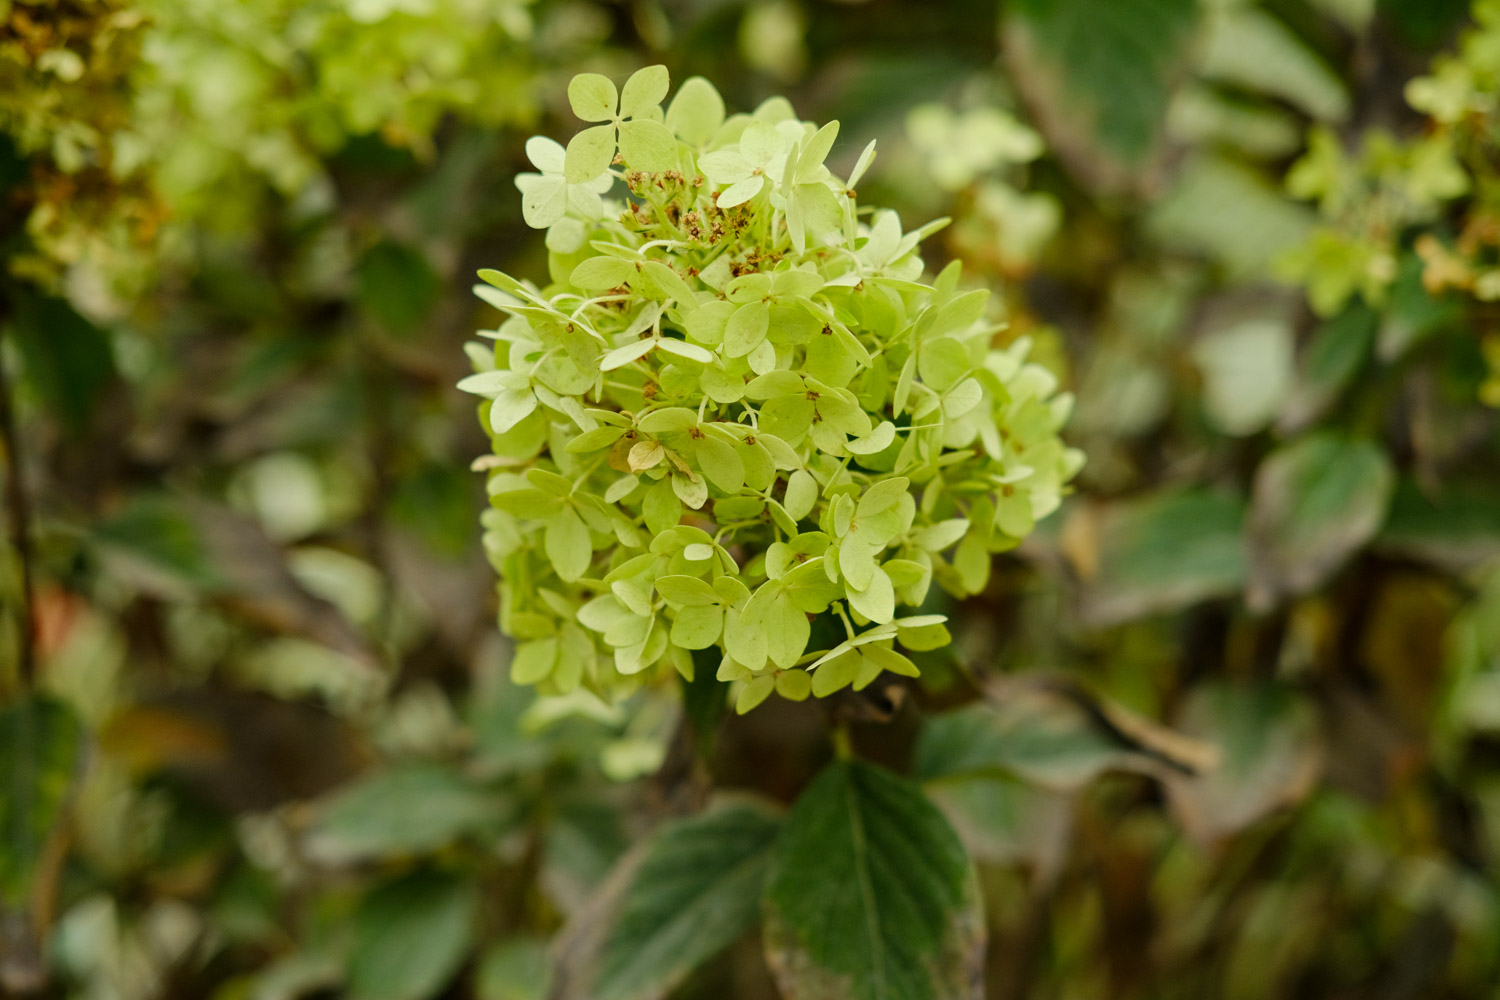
{"x": 1316, "y": 502}
{"x": 814, "y": 152}
{"x": 397, "y": 286}
{"x": 871, "y": 896}
{"x": 1455, "y": 528}
{"x": 534, "y": 661}
{"x": 589, "y": 154}
{"x": 1119, "y": 91}
{"x": 527, "y": 502}
{"x": 1272, "y": 757}
{"x": 158, "y": 534}
{"x": 721, "y": 464}
{"x": 599, "y": 273}
{"x": 510, "y": 407}
{"x": 67, "y": 359}
{"x": 1160, "y": 552}
{"x": 787, "y": 632}
{"x": 1332, "y": 358}
{"x": 661, "y": 282}
{"x": 644, "y": 90}
{"x": 740, "y": 192}
{"x": 801, "y": 494}
{"x": 697, "y": 890}
{"x": 962, "y": 398}
{"x": 883, "y": 496}
{"x": 409, "y": 809}
{"x": 1055, "y": 736}
{"x": 1247, "y": 373}
{"x": 697, "y": 627}
{"x": 794, "y": 685}
{"x": 683, "y": 349}
{"x": 544, "y": 200}
{"x": 696, "y": 112}
{"x": 516, "y": 969}
{"x": 567, "y": 544}
{"x": 592, "y": 97}
{"x": 706, "y": 324}
{"x": 1052, "y": 745}
{"x": 746, "y": 643}
{"x": 753, "y": 692}
{"x": 942, "y": 362}
{"x": 746, "y": 328}
{"x": 622, "y": 356}
{"x": 685, "y": 591}
{"x": 40, "y": 747}
{"x": 411, "y": 936}
{"x": 877, "y": 601}
{"x": 1220, "y": 207}
{"x": 1249, "y": 48}
{"x": 647, "y": 145}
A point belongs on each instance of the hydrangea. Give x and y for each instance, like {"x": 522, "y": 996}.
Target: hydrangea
{"x": 736, "y": 418}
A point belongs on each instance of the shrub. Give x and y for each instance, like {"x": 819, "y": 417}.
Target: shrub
{"x": 737, "y": 417}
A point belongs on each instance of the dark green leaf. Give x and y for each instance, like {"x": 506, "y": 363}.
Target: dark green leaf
{"x": 1103, "y": 65}
{"x": 155, "y": 539}
{"x": 40, "y": 744}
{"x": 697, "y": 889}
{"x": 411, "y": 935}
{"x": 1424, "y": 23}
{"x": 1412, "y": 314}
{"x": 397, "y": 287}
{"x": 1337, "y": 351}
{"x": 871, "y": 896}
{"x": 1457, "y": 528}
{"x": 68, "y": 360}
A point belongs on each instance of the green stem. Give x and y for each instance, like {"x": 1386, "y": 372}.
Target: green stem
{"x": 843, "y": 746}
{"x": 18, "y": 505}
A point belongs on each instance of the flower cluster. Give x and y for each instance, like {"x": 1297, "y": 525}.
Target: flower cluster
{"x": 737, "y": 417}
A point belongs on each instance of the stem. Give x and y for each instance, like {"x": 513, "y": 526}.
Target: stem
{"x": 843, "y": 746}
{"x": 848, "y": 625}
{"x": 18, "y": 506}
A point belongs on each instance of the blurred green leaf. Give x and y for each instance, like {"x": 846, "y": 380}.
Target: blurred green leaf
{"x": 1316, "y": 502}
{"x": 1337, "y": 351}
{"x": 1270, "y": 757}
{"x": 1158, "y": 553}
{"x": 411, "y": 936}
{"x": 1056, "y": 747}
{"x": 1102, "y": 66}
{"x": 513, "y": 970}
{"x": 697, "y": 889}
{"x": 1411, "y": 313}
{"x": 407, "y": 809}
{"x": 1007, "y": 821}
{"x": 1247, "y": 372}
{"x": 1050, "y": 734}
{"x": 1457, "y": 527}
{"x": 1224, "y": 209}
{"x": 870, "y": 895}
{"x": 156, "y": 539}
{"x": 68, "y": 360}
{"x": 397, "y": 286}
{"x": 1424, "y": 23}
{"x": 1250, "y": 48}
{"x": 40, "y": 748}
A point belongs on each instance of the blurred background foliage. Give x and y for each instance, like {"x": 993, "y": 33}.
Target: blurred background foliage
{"x": 256, "y": 735}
